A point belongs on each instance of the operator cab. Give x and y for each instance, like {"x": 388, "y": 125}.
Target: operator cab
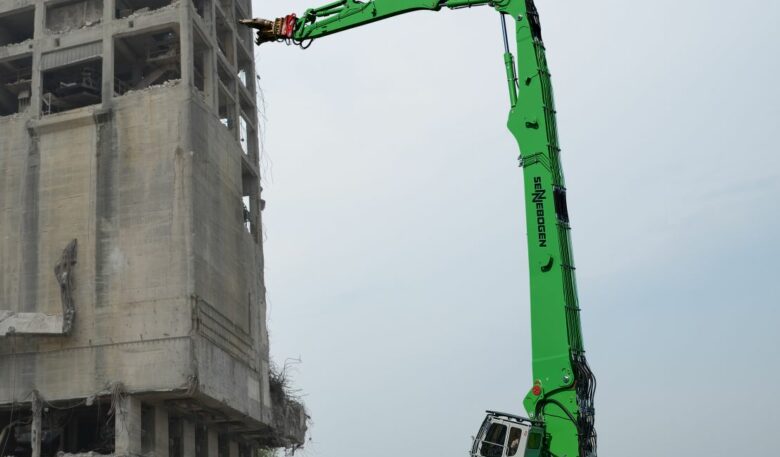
{"x": 507, "y": 435}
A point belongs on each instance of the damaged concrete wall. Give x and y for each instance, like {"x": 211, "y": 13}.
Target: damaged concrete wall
{"x": 73, "y": 14}
{"x": 168, "y": 287}
{"x": 115, "y": 182}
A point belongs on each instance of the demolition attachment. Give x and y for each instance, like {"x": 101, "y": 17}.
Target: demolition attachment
{"x": 280, "y": 29}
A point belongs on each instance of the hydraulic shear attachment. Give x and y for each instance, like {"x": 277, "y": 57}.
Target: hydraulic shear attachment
{"x": 280, "y": 29}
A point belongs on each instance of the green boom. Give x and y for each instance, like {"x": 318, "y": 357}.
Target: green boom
{"x": 562, "y": 392}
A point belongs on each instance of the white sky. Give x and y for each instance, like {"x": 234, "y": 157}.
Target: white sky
{"x": 395, "y": 255}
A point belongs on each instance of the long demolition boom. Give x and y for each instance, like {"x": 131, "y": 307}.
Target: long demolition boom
{"x": 561, "y": 396}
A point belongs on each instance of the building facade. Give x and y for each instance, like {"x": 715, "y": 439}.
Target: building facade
{"x": 129, "y": 164}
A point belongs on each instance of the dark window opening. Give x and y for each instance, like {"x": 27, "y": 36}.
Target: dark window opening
{"x": 227, "y": 109}
{"x": 17, "y": 26}
{"x": 145, "y": 60}
{"x": 15, "y": 85}
{"x": 561, "y": 207}
{"x": 245, "y": 68}
{"x": 244, "y": 450}
{"x": 148, "y": 432}
{"x": 223, "y": 445}
{"x": 72, "y": 86}
{"x": 202, "y": 65}
{"x": 202, "y": 7}
{"x": 64, "y": 429}
{"x": 201, "y": 441}
{"x": 247, "y": 132}
{"x": 125, "y": 8}
{"x": 227, "y": 7}
{"x": 175, "y": 433}
{"x": 73, "y": 15}
{"x": 225, "y": 39}
{"x": 493, "y": 443}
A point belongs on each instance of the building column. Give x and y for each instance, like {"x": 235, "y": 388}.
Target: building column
{"x": 36, "y": 88}
{"x": 109, "y": 9}
{"x": 213, "y": 442}
{"x": 160, "y": 431}
{"x": 127, "y": 427}
{"x": 233, "y": 449}
{"x": 35, "y": 429}
{"x": 187, "y": 438}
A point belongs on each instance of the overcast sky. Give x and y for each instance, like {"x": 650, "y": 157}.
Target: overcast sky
{"x": 395, "y": 249}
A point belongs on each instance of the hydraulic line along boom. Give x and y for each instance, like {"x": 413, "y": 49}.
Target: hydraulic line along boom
{"x": 560, "y": 401}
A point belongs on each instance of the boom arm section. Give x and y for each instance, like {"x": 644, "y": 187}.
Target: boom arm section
{"x": 563, "y": 388}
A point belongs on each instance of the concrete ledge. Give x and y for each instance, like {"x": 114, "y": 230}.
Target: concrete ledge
{"x": 30, "y": 324}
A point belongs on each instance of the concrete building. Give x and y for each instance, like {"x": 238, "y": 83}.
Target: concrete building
{"x": 129, "y": 164}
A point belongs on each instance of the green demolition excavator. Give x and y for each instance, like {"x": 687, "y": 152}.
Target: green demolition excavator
{"x": 559, "y": 404}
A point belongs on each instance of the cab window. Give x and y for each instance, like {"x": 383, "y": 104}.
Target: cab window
{"x": 493, "y": 444}
{"x": 515, "y": 434}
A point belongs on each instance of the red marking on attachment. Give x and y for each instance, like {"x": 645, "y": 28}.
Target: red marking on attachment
{"x": 288, "y": 25}
{"x": 537, "y": 390}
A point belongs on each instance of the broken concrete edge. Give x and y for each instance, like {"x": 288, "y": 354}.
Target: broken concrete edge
{"x": 289, "y": 411}
{"x": 42, "y": 324}
{"x": 287, "y": 428}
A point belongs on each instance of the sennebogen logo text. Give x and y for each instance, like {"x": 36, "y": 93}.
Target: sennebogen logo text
{"x": 538, "y": 199}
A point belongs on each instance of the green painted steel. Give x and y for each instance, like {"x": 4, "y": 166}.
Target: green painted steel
{"x": 561, "y": 396}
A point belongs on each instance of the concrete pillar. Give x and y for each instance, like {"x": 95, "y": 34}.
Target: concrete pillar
{"x": 187, "y": 438}
{"x": 160, "y": 431}
{"x": 109, "y": 9}
{"x": 36, "y": 90}
{"x": 233, "y": 449}
{"x": 186, "y": 48}
{"x": 127, "y": 427}
{"x": 35, "y": 430}
{"x": 213, "y": 443}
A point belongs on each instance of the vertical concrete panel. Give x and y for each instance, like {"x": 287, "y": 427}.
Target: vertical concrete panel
{"x": 188, "y": 438}
{"x": 29, "y": 235}
{"x": 213, "y": 441}
{"x": 14, "y": 149}
{"x": 127, "y": 423}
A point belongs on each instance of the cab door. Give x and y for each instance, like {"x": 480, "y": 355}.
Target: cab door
{"x": 503, "y": 439}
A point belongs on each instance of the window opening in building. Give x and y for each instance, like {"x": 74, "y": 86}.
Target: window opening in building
{"x": 17, "y": 26}
{"x": 73, "y": 15}
{"x": 225, "y": 39}
{"x": 202, "y": 7}
{"x": 125, "y": 8}
{"x": 175, "y": 433}
{"x": 145, "y": 60}
{"x": 227, "y": 109}
{"x": 147, "y": 429}
{"x": 73, "y": 86}
{"x": 227, "y": 7}
{"x": 251, "y": 203}
{"x": 201, "y": 441}
{"x": 244, "y": 450}
{"x": 245, "y": 68}
{"x": 65, "y": 428}
{"x": 223, "y": 445}
{"x": 243, "y": 134}
{"x": 202, "y": 65}
{"x": 15, "y": 85}
{"x": 493, "y": 444}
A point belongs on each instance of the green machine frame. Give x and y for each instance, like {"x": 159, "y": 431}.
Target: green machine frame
{"x": 561, "y": 396}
